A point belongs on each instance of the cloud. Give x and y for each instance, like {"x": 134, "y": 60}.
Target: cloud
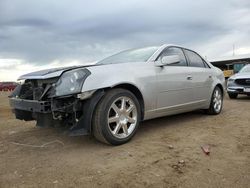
{"x": 41, "y": 32}
{"x": 11, "y": 69}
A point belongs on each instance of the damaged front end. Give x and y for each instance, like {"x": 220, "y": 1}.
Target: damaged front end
{"x": 56, "y": 101}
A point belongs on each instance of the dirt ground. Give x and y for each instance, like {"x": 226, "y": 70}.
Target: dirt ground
{"x": 45, "y": 157}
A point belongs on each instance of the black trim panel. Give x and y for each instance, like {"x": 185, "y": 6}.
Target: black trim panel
{"x": 30, "y": 105}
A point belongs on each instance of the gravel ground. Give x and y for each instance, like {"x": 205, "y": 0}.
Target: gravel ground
{"x": 166, "y": 152}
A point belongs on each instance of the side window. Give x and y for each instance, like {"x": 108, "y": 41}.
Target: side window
{"x": 206, "y": 65}
{"x": 174, "y": 51}
{"x": 194, "y": 59}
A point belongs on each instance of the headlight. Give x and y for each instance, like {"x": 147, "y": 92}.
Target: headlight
{"x": 230, "y": 80}
{"x": 71, "y": 82}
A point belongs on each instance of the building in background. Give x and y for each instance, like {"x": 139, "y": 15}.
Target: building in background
{"x": 231, "y": 65}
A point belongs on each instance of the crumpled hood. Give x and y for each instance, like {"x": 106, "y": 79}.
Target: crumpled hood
{"x": 49, "y": 73}
{"x": 241, "y": 75}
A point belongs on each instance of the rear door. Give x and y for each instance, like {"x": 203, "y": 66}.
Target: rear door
{"x": 201, "y": 77}
{"x": 174, "y": 89}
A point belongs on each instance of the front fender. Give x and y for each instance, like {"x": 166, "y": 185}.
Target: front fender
{"x": 140, "y": 75}
{"x": 107, "y": 76}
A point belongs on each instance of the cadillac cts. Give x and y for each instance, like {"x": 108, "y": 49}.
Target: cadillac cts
{"x": 110, "y": 98}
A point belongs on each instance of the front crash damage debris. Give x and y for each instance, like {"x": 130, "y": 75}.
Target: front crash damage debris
{"x": 83, "y": 125}
{"x": 33, "y": 101}
{"x": 31, "y": 105}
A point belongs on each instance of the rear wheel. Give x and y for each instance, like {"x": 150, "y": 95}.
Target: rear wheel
{"x": 216, "y": 102}
{"x": 117, "y": 117}
{"x": 232, "y": 95}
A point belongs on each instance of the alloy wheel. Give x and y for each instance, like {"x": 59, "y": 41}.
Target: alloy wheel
{"x": 122, "y": 117}
{"x": 217, "y": 100}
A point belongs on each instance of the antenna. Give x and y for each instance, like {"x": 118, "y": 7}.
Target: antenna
{"x": 233, "y": 49}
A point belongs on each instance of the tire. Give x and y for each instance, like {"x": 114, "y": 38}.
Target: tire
{"x": 216, "y": 102}
{"x": 232, "y": 95}
{"x": 116, "y": 117}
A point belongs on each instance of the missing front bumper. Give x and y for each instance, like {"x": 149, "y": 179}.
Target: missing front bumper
{"x": 71, "y": 113}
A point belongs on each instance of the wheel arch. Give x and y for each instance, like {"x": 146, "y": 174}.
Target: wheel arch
{"x": 221, "y": 87}
{"x": 98, "y": 95}
{"x": 133, "y": 89}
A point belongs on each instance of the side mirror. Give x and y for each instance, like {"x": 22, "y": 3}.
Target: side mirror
{"x": 168, "y": 60}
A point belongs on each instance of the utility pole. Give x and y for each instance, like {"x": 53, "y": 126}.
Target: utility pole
{"x": 233, "y": 49}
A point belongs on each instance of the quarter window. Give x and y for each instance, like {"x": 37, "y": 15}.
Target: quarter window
{"x": 174, "y": 51}
{"x": 194, "y": 59}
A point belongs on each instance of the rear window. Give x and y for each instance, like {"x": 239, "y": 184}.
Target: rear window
{"x": 194, "y": 59}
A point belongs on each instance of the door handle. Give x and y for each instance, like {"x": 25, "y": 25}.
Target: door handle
{"x": 210, "y": 76}
{"x": 189, "y": 78}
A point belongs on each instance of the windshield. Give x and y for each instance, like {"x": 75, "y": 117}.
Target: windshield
{"x": 245, "y": 69}
{"x": 133, "y": 55}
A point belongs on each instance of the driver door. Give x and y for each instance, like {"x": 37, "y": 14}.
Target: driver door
{"x": 174, "y": 84}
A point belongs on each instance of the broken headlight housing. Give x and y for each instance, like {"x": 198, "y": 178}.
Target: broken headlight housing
{"x": 71, "y": 82}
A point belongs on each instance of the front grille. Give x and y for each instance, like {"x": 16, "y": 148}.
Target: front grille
{"x": 245, "y": 82}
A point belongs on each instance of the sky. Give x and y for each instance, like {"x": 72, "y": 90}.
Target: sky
{"x": 36, "y": 35}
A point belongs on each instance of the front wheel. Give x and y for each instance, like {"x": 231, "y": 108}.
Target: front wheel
{"x": 216, "y": 102}
{"x": 117, "y": 117}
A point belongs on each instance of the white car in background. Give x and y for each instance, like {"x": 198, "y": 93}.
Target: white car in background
{"x": 239, "y": 83}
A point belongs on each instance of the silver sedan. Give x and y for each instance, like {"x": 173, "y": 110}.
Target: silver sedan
{"x": 110, "y": 99}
